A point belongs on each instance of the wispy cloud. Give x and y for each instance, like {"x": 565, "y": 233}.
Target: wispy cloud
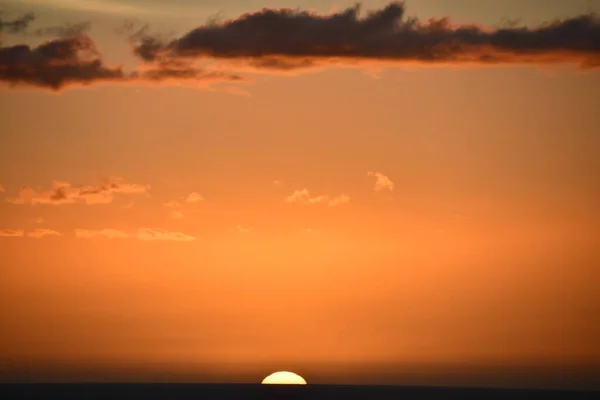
{"x": 67, "y": 193}
{"x": 64, "y": 31}
{"x": 144, "y": 234}
{"x": 40, "y": 233}
{"x": 175, "y": 214}
{"x": 100, "y": 6}
{"x": 339, "y": 200}
{"x": 172, "y": 204}
{"x": 194, "y": 198}
{"x": 304, "y": 197}
{"x": 382, "y": 182}
{"x": 102, "y": 233}
{"x": 38, "y": 220}
{"x": 149, "y": 234}
{"x": 2, "y": 190}
{"x": 11, "y": 233}
{"x": 16, "y": 25}
{"x": 176, "y": 205}
{"x": 243, "y": 230}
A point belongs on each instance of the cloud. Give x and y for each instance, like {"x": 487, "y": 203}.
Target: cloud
{"x": 149, "y": 234}
{"x": 284, "y": 39}
{"x": 38, "y": 220}
{"x": 339, "y": 200}
{"x": 64, "y": 31}
{"x": 56, "y": 64}
{"x": 75, "y": 60}
{"x": 17, "y": 25}
{"x": 2, "y": 190}
{"x": 382, "y": 182}
{"x": 194, "y": 198}
{"x": 176, "y": 214}
{"x": 66, "y": 193}
{"x": 172, "y": 204}
{"x": 11, "y": 233}
{"x": 144, "y": 234}
{"x": 303, "y": 197}
{"x": 102, "y": 233}
{"x": 243, "y": 230}
{"x": 40, "y": 233}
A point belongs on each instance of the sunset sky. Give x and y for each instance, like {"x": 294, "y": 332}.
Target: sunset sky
{"x": 208, "y": 191}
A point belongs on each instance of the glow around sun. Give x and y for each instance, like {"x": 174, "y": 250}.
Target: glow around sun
{"x": 284, "y": 378}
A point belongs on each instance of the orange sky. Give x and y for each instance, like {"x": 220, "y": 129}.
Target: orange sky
{"x": 405, "y": 224}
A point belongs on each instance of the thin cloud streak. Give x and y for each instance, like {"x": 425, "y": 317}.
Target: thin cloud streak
{"x": 283, "y": 39}
{"x": 304, "y": 197}
{"x": 66, "y": 193}
{"x": 11, "y": 233}
{"x": 41, "y": 233}
{"x": 102, "y": 233}
{"x": 144, "y": 234}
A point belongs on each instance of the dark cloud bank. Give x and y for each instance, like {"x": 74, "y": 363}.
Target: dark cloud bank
{"x": 73, "y": 59}
{"x": 289, "y": 39}
{"x": 386, "y": 35}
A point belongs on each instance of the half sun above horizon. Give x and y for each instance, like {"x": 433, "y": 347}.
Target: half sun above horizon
{"x": 284, "y": 378}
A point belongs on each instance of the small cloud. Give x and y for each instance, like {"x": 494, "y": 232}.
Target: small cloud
{"x": 175, "y": 214}
{"x": 382, "y": 182}
{"x": 102, "y": 233}
{"x": 277, "y": 183}
{"x": 148, "y": 234}
{"x": 38, "y": 220}
{"x": 11, "y": 233}
{"x": 40, "y": 233}
{"x": 2, "y": 190}
{"x": 308, "y": 231}
{"x": 339, "y": 200}
{"x": 172, "y": 204}
{"x": 303, "y": 197}
{"x": 243, "y": 230}
{"x": 194, "y": 198}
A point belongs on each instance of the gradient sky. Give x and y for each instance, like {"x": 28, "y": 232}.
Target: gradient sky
{"x": 383, "y": 223}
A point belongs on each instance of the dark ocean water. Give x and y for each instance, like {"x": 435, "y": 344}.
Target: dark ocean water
{"x": 243, "y": 391}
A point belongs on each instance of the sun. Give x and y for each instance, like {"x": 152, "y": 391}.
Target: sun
{"x": 284, "y": 378}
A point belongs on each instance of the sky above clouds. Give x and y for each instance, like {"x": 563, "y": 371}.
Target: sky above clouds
{"x": 383, "y": 194}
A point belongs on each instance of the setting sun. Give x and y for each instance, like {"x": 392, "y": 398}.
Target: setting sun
{"x": 284, "y": 378}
